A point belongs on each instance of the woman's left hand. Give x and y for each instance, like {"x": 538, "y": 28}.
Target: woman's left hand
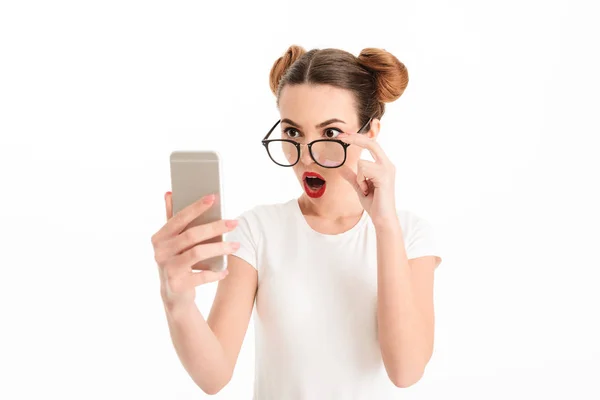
{"x": 374, "y": 181}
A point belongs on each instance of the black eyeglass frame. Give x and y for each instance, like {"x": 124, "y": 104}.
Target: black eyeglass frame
{"x": 345, "y": 145}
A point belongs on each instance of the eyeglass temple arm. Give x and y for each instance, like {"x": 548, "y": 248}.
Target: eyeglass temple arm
{"x": 365, "y": 125}
{"x": 271, "y": 130}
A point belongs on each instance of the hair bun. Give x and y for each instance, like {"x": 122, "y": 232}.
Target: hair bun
{"x": 391, "y": 74}
{"x": 292, "y": 54}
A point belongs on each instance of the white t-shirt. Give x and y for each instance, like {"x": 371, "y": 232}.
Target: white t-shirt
{"x": 315, "y": 322}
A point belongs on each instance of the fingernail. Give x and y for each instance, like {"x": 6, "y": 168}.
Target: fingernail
{"x": 231, "y": 223}
{"x": 225, "y": 272}
{"x": 234, "y": 245}
{"x": 208, "y": 199}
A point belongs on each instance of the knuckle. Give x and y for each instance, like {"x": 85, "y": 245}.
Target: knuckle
{"x": 171, "y": 271}
{"x": 162, "y": 261}
{"x": 177, "y": 219}
{"x": 170, "y": 274}
{"x": 205, "y": 231}
{"x": 160, "y": 253}
{"x": 190, "y": 235}
{"x": 216, "y": 227}
{"x": 172, "y": 284}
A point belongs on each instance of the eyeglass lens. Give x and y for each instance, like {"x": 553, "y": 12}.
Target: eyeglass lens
{"x": 326, "y": 153}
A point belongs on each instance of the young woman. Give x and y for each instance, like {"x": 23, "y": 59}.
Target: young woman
{"x": 342, "y": 279}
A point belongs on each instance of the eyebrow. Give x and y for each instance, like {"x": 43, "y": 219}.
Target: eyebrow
{"x": 321, "y": 125}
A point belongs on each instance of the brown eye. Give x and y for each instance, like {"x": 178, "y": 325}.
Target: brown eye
{"x": 331, "y": 133}
{"x": 292, "y": 133}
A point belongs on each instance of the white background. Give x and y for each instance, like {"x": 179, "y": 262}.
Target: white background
{"x": 495, "y": 142}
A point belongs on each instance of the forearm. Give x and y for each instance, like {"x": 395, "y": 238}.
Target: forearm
{"x": 404, "y": 336}
{"x": 198, "y": 349}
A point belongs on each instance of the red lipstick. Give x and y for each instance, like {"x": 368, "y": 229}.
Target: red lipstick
{"x": 314, "y": 184}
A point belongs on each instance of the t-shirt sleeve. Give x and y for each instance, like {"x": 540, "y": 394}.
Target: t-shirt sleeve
{"x": 246, "y": 235}
{"x": 421, "y": 240}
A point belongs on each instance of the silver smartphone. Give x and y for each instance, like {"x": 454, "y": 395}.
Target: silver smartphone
{"x": 195, "y": 174}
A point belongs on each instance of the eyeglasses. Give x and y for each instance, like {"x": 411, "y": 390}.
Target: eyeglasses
{"x": 328, "y": 153}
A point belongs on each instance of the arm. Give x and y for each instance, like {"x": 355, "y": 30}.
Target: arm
{"x": 405, "y": 318}
{"x": 208, "y": 349}
{"x": 405, "y": 312}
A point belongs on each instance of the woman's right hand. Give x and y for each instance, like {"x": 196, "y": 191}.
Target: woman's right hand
{"x": 177, "y": 249}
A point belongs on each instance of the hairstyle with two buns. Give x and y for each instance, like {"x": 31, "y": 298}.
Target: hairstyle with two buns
{"x": 375, "y": 77}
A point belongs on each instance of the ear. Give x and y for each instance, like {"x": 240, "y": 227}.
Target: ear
{"x": 373, "y": 131}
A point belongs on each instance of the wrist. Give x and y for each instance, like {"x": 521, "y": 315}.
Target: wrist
{"x": 387, "y": 224}
{"x": 176, "y": 307}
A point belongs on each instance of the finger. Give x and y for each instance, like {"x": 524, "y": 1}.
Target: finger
{"x": 369, "y": 173}
{"x": 203, "y": 277}
{"x": 196, "y": 235}
{"x": 175, "y": 271}
{"x": 202, "y": 252}
{"x": 182, "y": 219}
{"x": 371, "y": 187}
{"x": 157, "y": 237}
{"x": 169, "y": 205}
{"x": 361, "y": 181}
{"x": 362, "y": 141}
{"x": 369, "y": 169}
{"x": 375, "y": 174}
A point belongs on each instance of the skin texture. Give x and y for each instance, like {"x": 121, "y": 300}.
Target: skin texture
{"x": 209, "y": 348}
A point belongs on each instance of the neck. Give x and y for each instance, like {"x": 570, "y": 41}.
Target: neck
{"x": 341, "y": 206}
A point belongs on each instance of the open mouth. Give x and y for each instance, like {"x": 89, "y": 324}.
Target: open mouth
{"x": 314, "y": 184}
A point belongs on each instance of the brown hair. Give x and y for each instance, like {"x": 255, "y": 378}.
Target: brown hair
{"x": 375, "y": 77}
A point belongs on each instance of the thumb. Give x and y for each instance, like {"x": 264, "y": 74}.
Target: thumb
{"x": 169, "y": 205}
{"x": 350, "y": 176}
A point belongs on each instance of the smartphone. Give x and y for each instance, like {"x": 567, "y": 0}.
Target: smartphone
{"x": 195, "y": 174}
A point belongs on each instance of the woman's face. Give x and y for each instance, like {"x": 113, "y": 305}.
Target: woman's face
{"x": 312, "y": 112}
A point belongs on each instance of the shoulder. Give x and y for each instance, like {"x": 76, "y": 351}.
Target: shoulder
{"x": 262, "y": 221}
{"x": 263, "y": 216}
{"x": 410, "y": 220}
{"x": 418, "y": 233}
{"x": 272, "y": 210}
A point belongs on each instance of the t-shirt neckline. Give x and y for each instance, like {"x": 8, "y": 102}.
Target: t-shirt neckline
{"x": 305, "y": 226}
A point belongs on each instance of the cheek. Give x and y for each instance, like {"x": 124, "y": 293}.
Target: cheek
{"x": 289, "y": 152}
{"x": 296, "y": 169}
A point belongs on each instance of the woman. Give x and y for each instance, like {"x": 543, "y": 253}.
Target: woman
{"x": 343, "y": 281}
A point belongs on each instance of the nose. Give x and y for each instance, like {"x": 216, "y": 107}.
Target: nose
{"x": 305, "y": 155}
